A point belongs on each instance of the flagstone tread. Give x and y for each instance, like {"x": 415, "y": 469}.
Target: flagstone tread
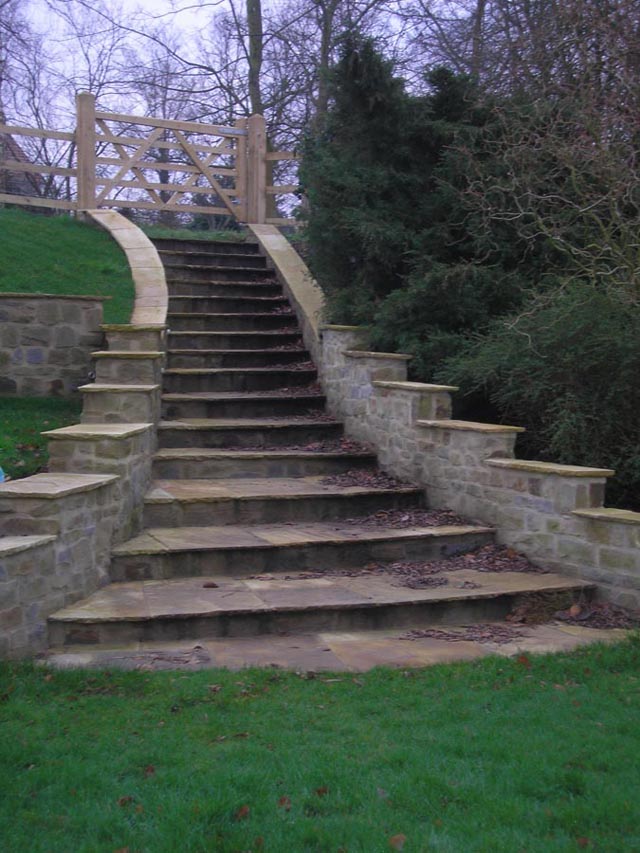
{"x": 185, "y": 491}
{"x": 161, "y": 540}
{"x": 242, "y": 423}
{"x": 333, "y": 652}
{"x": 146, "y": 600}
{"x": 52, "y": 486}
{"x": 272, "y": 453}
{"x": 235, "y": 371}
{"x": 96, "y": 432}
{"x": 214, "y": 396}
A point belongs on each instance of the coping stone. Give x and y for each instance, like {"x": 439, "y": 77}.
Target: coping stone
{"x": 470, "y": 426}
{"x": 553, "y": 468}
{"x": 609, "y": 514}
{"x": 54, "y": 485}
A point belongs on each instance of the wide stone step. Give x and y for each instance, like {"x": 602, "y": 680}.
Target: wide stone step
{"x": 225, "y": 304}
{"x": 193, "y": 503}
{"x": 221, "y": 358}
{"x": 243, "y": 322}
{"x": 254, "y": 549}
{"x": 224, "y": 404}
{"x": 246, "y": 432}
{"x": 204, "y": 260}
{"x": 170, "y": 246}
{"x": 235, "y": 340}
{"x": 182, "y": 379}
{"x": 186, "y": 463}
{"x": 220, "y": 273}
{"x": 225, "y": 606}
{"x": 223, "y": 288}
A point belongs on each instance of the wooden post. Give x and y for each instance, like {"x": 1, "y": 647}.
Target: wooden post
{"x": 256, "y": 170}
{"x": 241, "y": 172}
{"x": 86, "y": 145}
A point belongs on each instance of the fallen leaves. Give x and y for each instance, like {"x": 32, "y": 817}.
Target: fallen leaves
{"x": 242, "y": 813}
{"x": 397, "y": 842}
{"x": 284, "y": 803}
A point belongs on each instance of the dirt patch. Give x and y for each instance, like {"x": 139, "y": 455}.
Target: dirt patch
{"x": 338, "y": 445}
{"x": 399, "y": 519}
{"x": 368, "y": 478}
{"x": 483, "y": 633}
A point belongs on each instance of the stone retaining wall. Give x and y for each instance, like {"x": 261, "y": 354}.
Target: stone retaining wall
{"x": 554, "y": 513}
{"x": 46, "y": 342}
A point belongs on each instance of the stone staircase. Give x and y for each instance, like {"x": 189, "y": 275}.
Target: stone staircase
{"x": 262, "y": 518}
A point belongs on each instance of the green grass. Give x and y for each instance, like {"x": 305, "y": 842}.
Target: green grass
{"x": 23, "y": 450}
{"x": 161, "y": 231}
{"x": 57, "y": 254}
{"x": 538, "y": 754}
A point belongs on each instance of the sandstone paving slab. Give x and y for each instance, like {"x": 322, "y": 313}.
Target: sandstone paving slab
{"x": 299, "y": 652}
{"x": 192, "y": 597}
{"x": 306, "y": 598}
{"x": 118, "y": 601}
{"x": 364, "y": 653}
{"x": 190, "y": 538}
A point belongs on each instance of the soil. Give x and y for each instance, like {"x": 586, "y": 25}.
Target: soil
{"x": 484, "y": 633}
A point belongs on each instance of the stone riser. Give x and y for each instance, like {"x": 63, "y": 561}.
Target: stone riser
{"x": 220, "y": 273}
{"x": 299, "y": 621}
{"x": 118, "y": 371}
{"x": 166, "y": 245}
{"x": 225, "y": 304}
{"x": 272, "y": 510}
{"x": 316, "y": 556}
{"x": 186, "y": 260}
{"x": 255, "y": 437}
{"x": 242, "y": 340}
{"x": 119, "y": 407}
{"x": 229, "y": 322}
{"x": 256, "y": 407}
{"x": 234, "y": 358}
{"x": 220, "y": 468}
{"x": 185, "y": 383}
{"x": 218, "y": 288}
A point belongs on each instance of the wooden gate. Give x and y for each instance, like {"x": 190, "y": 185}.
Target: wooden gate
{"x": 161, "y": 165}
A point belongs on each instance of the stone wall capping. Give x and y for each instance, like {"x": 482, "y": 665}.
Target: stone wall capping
{"x": 52, "y": 486}
{"x": 415, "y": 387}
{"x": 95, "y": 388}
{"x": 133, "y": 328}
{"x": 470, "y": 426}
{"x": 354, "y": 353}
{"x": 609, "y": 514}
{"x": 127, "y": 354}
{"x": 56, "y": 296}
{"x": 17, "y": 544}
{"x": 552, "y": 468}
{"x": 96, "y": 432}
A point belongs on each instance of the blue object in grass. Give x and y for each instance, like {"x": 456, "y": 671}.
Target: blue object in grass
{"x": 2, "y": 477}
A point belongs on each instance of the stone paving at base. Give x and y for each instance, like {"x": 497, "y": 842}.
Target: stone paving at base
{"x": 327, "y": 652}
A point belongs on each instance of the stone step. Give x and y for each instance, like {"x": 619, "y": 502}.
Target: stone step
{"x": 246, "y": 322}
{"x": 204, "y": 261}
{"x": 237, "y": 550}
{"x": 168, "y": 246}
{"x": 227, "y": 501}
{"x": 225, "y": 606}
{"x": 215, "y": 287}
{"x": 185, "y": 463}
{"x": 247, "y": 432}
{"x": 235, "y": 340}
{"x": 250, "y": 358}
{"x": 184, "y": 380}
{"x": 228, "y": 404}
{"x": 219, "y": 273}
{"x": 225, "y": 304}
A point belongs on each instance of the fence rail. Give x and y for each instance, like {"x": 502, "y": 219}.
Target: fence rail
{"x": 142, "y": 162}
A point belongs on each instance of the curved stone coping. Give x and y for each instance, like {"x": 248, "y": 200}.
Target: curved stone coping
{"x": 148, "y": 274}
{"x": 552, "y": 468}
{"x": 51, "y": 486}
{"x": 470, "y": 426}
{"x": 621, "y": 516}
{"x": 56, "y": 296}
{"x": 96, "y": 432}
{"x": 130, "y": 327}
{"x": 94, "y": 388}
{"x": 136, "y": 354}
{"x": 395, "y": 356}
{"x": 16, "y": 544}
{"x": 296, "y": 278}
{"x": 415, "y": 387}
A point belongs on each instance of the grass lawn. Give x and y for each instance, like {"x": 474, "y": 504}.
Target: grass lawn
{"x": 534, "y": 754}
{"x": 23, "y": 450}
{"x": 57, "y": 254}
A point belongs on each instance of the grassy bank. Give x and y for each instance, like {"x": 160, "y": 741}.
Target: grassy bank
{"x": 23, "y": 450}
{"x": 57, "y": 254}
{"x": 161, "y": 231}
{"x": 535, "y": 754}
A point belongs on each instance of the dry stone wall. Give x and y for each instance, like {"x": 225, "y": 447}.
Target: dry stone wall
{"x": 46, "y": 342}
{"x": 554, "y": 513}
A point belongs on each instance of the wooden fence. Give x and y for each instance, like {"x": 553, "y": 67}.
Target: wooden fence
{"x": 144, "y": 163}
